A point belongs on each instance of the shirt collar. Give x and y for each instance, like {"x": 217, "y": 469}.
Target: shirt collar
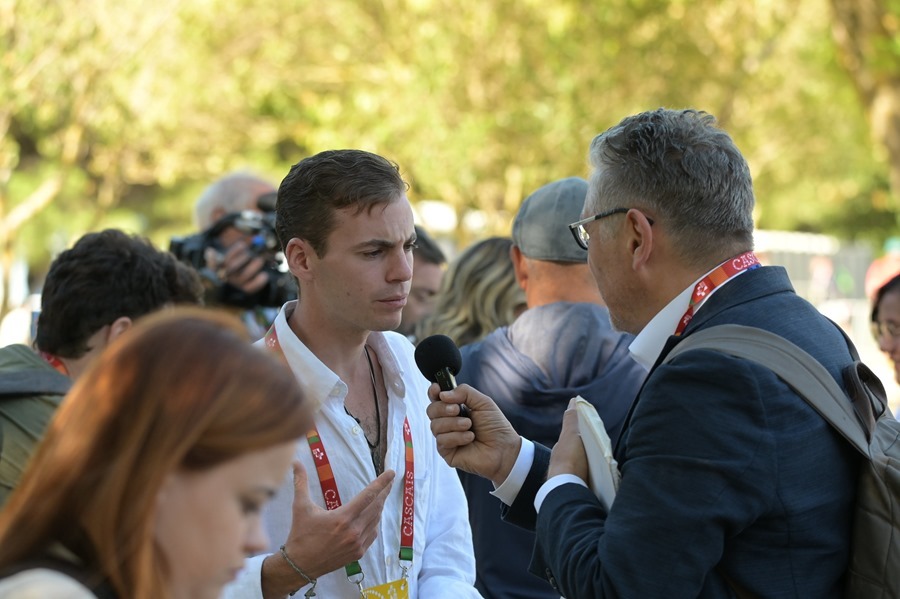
{"x": 319, "y": 382}
{"x": 648, "y": 344}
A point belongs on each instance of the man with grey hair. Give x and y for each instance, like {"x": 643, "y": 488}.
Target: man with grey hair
{"x": 240, "y": 272}
{"x": 235, "y": 192}
{"x": 732, "y": 485}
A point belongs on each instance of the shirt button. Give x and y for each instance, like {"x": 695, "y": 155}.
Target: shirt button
{"x": 388, "y": 560}
{"x": 355, "y": 430}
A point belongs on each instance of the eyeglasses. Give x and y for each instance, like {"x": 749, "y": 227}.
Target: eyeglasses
{"x": 580, "y": 233}
{"x": 880, "y": 330}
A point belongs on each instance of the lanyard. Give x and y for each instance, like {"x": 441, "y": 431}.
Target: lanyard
{"x": 55, "y": 362}
{"x": 725, "y": 271}
{"x": 333, "y": 497}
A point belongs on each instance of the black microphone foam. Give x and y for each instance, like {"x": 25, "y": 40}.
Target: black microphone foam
{"x": 439, "y": 360}
{"x": 434, "y": 354}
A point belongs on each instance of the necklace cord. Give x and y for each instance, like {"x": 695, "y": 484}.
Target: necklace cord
{"x": 374, "y": 448}
{"x": 375, "y": 397}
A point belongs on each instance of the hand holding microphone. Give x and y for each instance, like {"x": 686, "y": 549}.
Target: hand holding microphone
{"x": 487, "y": 445}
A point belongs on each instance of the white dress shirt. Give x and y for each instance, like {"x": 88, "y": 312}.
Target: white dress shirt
{"x": 443, "y": 563}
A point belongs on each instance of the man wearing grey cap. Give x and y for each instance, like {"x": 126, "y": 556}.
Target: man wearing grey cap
{"x": 563, "y": 345}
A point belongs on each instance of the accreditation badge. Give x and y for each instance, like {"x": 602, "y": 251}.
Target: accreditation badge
{"x": 398, "y": 589}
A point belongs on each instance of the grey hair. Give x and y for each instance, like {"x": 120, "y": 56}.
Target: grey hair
{"x": 233, "y": 192}
{"x": 682, "y": 168}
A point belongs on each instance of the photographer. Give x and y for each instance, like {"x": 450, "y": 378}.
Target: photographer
{"x": 237, "y": 252}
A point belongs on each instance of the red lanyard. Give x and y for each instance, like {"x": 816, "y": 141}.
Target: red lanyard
{"x": 329, "y": 486}
{"x": 726, "y": 270}
{"x": 55, "y": 362}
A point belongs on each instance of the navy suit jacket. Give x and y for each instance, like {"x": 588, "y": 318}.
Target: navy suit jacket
{"x": 729, "y": 479}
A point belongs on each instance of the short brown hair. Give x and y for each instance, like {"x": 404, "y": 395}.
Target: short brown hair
{"x": 317, "y": 186}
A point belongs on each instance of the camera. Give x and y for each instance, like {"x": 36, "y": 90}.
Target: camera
{"x": 193, "y": 250}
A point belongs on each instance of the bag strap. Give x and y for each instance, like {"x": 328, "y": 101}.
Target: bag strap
{"x": 34, "y": 382}
{"x": 803, "y": 373}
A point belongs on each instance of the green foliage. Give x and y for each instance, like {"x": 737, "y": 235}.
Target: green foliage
{"x": 139, "y": 105}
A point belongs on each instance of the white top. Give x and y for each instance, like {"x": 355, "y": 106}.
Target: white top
{"x": 41, "y": 583}
{"x": 443, "y": 563}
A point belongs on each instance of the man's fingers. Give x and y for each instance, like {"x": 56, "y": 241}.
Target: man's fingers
{"x": 433, "y": 392}
{"x": 440, "y": 410}
{"x": 243, "y": 267}
{"x": 236, "y": 248}
{"x": 251, "y": 279}
{"x": 376, "y": 491}
{"x": 382, "y": 484}
{"x": 452, "y": 440}
{"x": 444, "y": 424}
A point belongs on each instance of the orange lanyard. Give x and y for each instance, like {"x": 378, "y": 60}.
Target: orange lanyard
{"x": 725, "y": 271}
{"x": 55, "y": 362}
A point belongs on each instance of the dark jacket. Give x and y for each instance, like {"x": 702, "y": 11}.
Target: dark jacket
{"x": 23, "y": 416}
{"x": 729, "y": 478}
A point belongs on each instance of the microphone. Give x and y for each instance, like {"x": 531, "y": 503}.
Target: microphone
{"x": 439, "y": 360}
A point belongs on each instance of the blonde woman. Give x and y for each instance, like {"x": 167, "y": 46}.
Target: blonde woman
{"x": 479, "y": 293}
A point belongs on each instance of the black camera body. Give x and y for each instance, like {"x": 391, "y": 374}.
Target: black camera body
{"x": 192, "y": 250}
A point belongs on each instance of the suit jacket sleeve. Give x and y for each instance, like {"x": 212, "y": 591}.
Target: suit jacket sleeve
{"x": 694, "y": 473}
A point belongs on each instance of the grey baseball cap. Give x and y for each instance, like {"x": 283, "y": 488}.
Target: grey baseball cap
{"x": 541, "y": 227}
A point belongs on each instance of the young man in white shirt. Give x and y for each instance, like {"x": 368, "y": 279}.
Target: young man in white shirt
{"x": 373, "y": 506}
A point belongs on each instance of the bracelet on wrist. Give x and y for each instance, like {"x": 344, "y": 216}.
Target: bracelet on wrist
{"x": 309, "y": 580}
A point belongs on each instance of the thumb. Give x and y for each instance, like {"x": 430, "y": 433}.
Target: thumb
{"x": 570, "y": 420}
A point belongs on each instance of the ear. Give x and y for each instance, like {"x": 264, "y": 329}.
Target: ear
{"x": 301, "y": 258}
{"x": 640, "y": 239}
{"x": 519, "y": 266}
{"x": 118, "y": 326}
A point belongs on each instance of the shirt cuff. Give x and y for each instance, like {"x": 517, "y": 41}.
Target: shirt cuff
{"x": 552, "y": 483}
{"x": 510, "y": 488}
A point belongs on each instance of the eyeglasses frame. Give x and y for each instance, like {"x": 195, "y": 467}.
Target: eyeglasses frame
{"x": 579, "y": 233}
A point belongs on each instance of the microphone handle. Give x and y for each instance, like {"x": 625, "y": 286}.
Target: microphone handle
{"x": 447, "y": 382}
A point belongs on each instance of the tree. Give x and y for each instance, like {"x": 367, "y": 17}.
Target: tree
{"x": 118, "y": 116}
{"x": 95, "y": 106}
{"x": 867, "y": 32}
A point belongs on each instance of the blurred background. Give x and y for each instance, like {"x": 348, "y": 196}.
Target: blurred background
{"x": 118, "y": 113}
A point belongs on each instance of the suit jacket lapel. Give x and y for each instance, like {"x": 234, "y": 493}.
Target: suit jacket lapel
{"x": 749, "y": 286}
